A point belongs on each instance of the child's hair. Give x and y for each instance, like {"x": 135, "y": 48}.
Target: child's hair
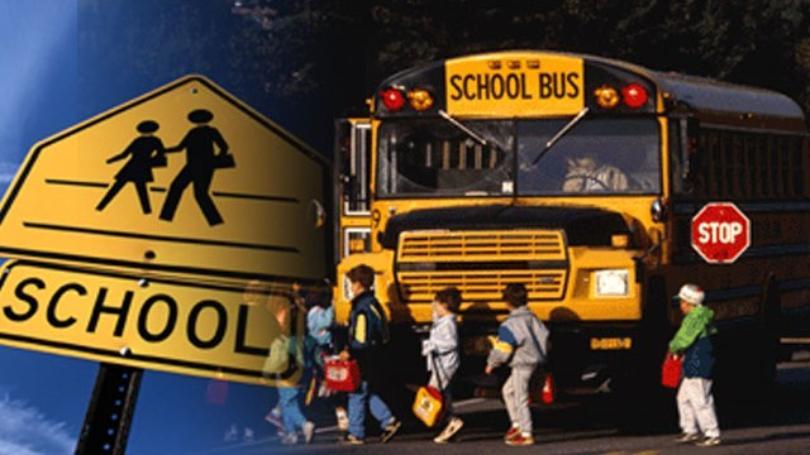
{"x": 321, "y": 299}
{"x": 450, "y": 298}
{"x": 362, "y": 274}
{"x": 515, "y": 294}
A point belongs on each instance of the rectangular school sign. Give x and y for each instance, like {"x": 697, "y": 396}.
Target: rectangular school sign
{"x": 188, "y": 328}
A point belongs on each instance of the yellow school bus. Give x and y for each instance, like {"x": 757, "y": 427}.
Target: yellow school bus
{"x": 578, "y": 176}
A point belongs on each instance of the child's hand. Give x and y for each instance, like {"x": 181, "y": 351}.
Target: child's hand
{"x": 488, "y": 370}
{"x": 344, "y": 355}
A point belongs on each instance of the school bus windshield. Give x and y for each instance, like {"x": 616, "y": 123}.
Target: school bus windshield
{"x": 435, "y": 158}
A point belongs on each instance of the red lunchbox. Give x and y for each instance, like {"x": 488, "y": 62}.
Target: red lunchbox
{"x": 671, "y": 371}
{"x": 341, "y": 375}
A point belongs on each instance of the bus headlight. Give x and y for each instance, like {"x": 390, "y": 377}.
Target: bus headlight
{"x": 611, "y": 282}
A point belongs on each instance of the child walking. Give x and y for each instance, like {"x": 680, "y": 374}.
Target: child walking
{"x": 523, "y": 343}
{"x": 693, "y": 341}
{"x": 320, "y": 322}
{"x": 368, "y": 332}
{"x": 441, "y": 350}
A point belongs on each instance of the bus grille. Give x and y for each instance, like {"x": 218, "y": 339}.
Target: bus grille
{"x": 477, "y": 246}
{"x": 482, "y": 285}
{"x": 481, "y": 263}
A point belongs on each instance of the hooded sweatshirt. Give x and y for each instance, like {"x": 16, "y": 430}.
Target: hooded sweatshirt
{"x": 693, "y": 339}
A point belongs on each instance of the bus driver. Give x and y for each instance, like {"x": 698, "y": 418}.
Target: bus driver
{"x": 586, "y": 175}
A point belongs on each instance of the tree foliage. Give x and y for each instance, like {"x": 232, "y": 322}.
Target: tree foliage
{"x": 310, "y": 45}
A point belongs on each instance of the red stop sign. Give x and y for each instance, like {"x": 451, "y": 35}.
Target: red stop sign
{"x": 720, "y": 232}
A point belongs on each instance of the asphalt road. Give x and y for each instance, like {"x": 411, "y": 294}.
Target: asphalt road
{"x": 780, "y": 426}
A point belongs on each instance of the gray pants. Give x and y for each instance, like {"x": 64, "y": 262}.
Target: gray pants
{"x": 516, "y": 397}
{"x": 446, "y": 395}
{"x": 696, "y": 407}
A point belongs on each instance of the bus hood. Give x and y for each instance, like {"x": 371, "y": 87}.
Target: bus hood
{"x": 583, "y": 226}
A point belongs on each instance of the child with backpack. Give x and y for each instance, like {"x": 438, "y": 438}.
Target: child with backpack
{"x": 442, "y": 352}
{"x": 523, "y": 344}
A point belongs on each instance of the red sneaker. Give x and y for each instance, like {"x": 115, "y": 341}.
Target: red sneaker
{"x": 513, "y": 431}
{"x": 520, "y": 440}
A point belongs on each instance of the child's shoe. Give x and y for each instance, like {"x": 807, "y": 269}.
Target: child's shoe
{"x": 351, "y": 440}
{"x": 687, "y": 437}
{"x": 289, "y": 439}
{"x": 709, "y": 442}
{"x": 449, "y": 431}
{"x": 511, "y": 433}
{"x": 309, "y": 431}
{"x": 390, "y": 430}
{"x": 521, "y": 439}
{"x": 342, "y": 419}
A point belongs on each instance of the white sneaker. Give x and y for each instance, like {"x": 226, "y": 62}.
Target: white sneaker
{"x": 342, "y": 419}
{"x": 688, "y": 437}
{"x": 709, "y": 442}
{"x": 308, "y": 428}
{"x": 449, "y": 431}
{"x": 289, "y": 439}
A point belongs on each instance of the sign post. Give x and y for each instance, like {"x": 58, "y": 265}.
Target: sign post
{"x": 720, "y": 233}
{"x": 109, "y": 414}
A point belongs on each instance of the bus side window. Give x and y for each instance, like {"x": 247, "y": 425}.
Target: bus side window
{"x": 761, "y": 165}
{"x": 741, "y": 183}
{"x": 805, "y": 149}
{"x": 751, "y": 165}
{"x": 798, "y": 167}
{"x": 778, "y": 182}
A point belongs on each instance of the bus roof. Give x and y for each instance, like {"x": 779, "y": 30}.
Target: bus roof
{"x": 710, "y": 100}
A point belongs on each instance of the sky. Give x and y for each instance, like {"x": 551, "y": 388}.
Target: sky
{"x": 62, "y": 61}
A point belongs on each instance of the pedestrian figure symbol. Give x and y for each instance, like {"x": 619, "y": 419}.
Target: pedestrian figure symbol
{"x": 144, "y": 153}
{"x": 206, "y": 151}
{"x": 201, "y": 162}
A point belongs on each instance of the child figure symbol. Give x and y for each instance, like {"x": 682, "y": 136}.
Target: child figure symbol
{"x": 145, "y": 152}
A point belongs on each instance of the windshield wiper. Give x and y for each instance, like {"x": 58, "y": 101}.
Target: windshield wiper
{"x": 478, "y": 138}
{"x": 563, "y": 131}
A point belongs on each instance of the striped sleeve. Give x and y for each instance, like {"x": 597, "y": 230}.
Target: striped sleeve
{"x": 503, "y": 348}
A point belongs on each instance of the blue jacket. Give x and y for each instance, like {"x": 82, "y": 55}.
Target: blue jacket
{"x": 698, "y": 360}
{"x": 368, "y": 328}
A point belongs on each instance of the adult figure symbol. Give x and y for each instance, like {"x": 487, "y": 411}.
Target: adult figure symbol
{"x": 201, "y": 162}
{"x": 144, "y": 153}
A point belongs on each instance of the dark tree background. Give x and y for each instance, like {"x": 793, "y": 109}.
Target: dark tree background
{"x": 345, "y": 47}
{"x": 305, "y": 62}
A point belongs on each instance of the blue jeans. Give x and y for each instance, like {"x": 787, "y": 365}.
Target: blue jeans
{"x": 290, "y": 409}
{"x": 357, "y": 410}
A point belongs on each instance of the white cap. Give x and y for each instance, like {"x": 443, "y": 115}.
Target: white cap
{"x": 691, "y": 294}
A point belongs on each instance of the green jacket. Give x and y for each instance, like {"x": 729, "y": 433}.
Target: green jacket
{"x": 696, "y": 324}
{"x": 695, "y": 342}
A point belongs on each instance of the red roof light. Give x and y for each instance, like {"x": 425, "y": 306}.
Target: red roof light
{"x": 634, "y": 95}
{"x": 393, "y": 99}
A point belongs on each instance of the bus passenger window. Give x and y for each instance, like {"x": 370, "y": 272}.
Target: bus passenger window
{"x": 797, "y": 167}
{"x": 434, "y": 157}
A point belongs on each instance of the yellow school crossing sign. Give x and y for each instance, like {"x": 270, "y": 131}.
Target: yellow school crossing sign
{"x": 166, "y": 233}
{"x": 184, "y": 180}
